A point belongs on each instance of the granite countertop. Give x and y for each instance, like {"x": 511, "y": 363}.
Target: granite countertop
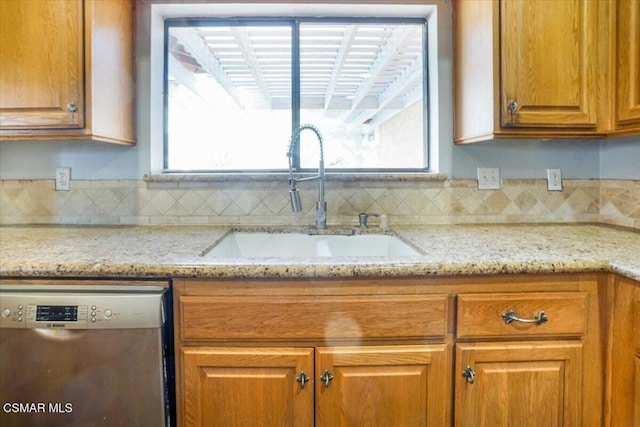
{"x": 176, "y": 251}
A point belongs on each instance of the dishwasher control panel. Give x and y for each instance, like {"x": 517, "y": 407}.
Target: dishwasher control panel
{"x": 73, "y": 310}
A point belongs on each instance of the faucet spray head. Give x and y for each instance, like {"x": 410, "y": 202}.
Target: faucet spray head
{"x": 296, "y": 204}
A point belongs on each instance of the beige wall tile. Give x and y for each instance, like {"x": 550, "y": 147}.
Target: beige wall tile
{"x": 256, "y": 203}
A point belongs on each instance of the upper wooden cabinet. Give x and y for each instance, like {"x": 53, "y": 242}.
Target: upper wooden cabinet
{"x": 41, "y": 64}
{"x": 537, "y": 69}
{"x": 546, "y": 73}
{"x": 66, "y": 70}
{"x": 627, "y": 66}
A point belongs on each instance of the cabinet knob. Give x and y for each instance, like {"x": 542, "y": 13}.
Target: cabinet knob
{"x": 326, "y": 377}
{"x": 512, "y": 106}
{"x": 302, "y": 378}
{"x": 72, "y": 107}
{"x": 469, "y": 374}
{"x": 511, "y": 316}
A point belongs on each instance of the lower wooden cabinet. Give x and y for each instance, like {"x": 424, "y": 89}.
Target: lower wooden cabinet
{"x": 624, "y": 364}
{"x": 636, "y": 394}
{"x": 382, "y": 386}
{"x": 525, "y": 384}
{"x": 247, "y": 386}
{"x": 525, "y": 351}
{"x": 535, "y": 381}
{"x": 351, "y": 386}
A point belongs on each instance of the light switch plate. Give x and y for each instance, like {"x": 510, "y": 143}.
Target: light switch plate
{"x": 489, "y": 179}
{"x": 554, "y": 180}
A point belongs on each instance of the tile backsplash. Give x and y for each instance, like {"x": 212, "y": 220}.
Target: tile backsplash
{"x": 267, "y": 203}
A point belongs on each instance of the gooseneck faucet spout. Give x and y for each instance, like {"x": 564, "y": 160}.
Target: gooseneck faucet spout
{"x": 294, "y": 194}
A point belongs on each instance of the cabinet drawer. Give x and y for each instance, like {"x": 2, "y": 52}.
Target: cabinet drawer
{"x": 481, "y": 315}
{"x": 327, "y": 318}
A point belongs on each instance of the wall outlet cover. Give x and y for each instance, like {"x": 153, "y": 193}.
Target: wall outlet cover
{"x": 63, "y": 179}
{"x": 554, "y": 180}
{"x": 489, "y": 179}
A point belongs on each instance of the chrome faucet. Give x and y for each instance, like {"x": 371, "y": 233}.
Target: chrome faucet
{"x": 294, "y": 194}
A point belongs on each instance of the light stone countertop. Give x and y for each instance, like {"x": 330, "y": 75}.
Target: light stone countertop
{"x": 176, "y": 251}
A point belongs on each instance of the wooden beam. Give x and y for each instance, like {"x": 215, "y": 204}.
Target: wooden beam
{"x": 198, "y": 49}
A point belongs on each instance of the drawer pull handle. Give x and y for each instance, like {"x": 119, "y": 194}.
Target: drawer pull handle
{"x": 469, "y": 374}
{"x": 510, "y": 316}
{"x": 302, "y": 378}
{"x": 326, "y": 377}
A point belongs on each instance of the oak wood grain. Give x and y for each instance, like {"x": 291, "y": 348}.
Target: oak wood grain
{"x": 480, "y": 315}
{"x": 55, "y": 53}
{"x": 328, "y": 318}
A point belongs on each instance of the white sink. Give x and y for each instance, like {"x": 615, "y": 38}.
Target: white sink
{"x": 259, "y": 244}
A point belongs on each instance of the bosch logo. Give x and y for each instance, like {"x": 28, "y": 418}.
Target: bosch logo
{"x": 56, "y": 325}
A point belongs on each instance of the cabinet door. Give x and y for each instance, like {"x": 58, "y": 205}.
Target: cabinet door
{"x": 636, "y": 394}
{"x": 41, "y": 65}
{"x": 624, "y": 367}
{"x": 548, "y": 74}
{"x": 530, "y": 384}
{"x": 383, "y": 386}
{"x": 246, "y": 387}
{"x": 628, "y": 63}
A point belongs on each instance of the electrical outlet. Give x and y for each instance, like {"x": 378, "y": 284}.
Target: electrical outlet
{"x": 554, "y": 180}
{"x": 489, "y": 179}
{"x": 63, "y": 179}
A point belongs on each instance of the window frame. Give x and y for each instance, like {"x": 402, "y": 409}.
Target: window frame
{"x": 294, "y": 22}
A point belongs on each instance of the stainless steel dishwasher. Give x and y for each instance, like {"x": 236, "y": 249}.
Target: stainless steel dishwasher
{"x": 85, "y": 353}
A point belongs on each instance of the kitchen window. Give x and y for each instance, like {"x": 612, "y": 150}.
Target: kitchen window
{"x": 236, "y": 88}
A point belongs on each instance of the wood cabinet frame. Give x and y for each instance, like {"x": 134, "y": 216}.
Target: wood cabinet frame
{"x": 585, "y": 338}
{"x": 623, "y": 366}
{"x": 595, "y": 93}
{"x": 626, "y": 37}
{"x": 78, "y": 84}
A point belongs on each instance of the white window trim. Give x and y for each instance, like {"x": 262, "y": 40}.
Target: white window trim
{"x": 161, "y": 11}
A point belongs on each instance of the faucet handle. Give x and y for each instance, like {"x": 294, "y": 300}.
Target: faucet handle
{"x": 363, "y": 216}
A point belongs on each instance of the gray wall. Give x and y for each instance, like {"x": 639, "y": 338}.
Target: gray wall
{"x": 579, "y": 159}
{"x": 620, "y": 159}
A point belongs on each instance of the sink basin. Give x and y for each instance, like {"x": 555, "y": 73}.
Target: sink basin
{"x": 260, "y": 244}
